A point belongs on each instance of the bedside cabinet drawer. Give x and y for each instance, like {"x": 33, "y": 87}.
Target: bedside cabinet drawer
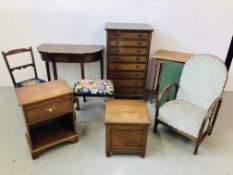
{"x": 128, "y": 83}
{"x": 133, "y": 35}
{"x": 134, "y": 51}
{"x": 47, "y": 110}
{"x": 117, "y": 66}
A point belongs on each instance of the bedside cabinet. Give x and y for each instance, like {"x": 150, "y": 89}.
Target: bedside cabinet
{"x": 128, "y": 48}
{"x": 49, "y": 115}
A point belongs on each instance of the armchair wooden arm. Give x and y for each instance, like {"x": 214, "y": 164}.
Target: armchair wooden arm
{"x": 208, "y": 121}
{"x": 165, "y": 92}
{"x": 158, "y": 101}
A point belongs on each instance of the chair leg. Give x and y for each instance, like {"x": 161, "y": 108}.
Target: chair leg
{"x": 156, "y": 122}
{"x": 197, "y": 147}
{"x": 77, "y": 104}
{"x": 155, "y": 127}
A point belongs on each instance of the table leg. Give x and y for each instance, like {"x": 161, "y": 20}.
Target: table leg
{"x": 54, "y": 70}
{"x": 152, "y": 96}
{"x": 83, "y": 77}
{"x": 48, "y": 70}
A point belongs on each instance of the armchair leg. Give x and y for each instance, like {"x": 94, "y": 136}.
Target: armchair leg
{"x": 155, "y": 127}
{"x": 156, "y": 122}
{"x": 196, "y": 148}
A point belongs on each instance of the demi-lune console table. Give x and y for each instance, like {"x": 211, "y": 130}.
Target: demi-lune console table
{"x": 70, "y": 53}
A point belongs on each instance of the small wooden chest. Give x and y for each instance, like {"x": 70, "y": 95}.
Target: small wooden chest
{"x": 127, "y": 124}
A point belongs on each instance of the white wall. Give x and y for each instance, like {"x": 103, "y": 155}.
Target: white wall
{"x": 200, "y": 26}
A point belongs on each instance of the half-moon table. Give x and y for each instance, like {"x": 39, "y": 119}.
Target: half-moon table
{"x": 70, "y": 53}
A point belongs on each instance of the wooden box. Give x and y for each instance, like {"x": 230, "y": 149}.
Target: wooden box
{"x": 126, "y": 124}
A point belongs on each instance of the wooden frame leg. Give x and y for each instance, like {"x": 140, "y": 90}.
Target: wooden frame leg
{"x": 155, "y": 122}
{"x": 77, "y": 104}
{"x": 196, "y": 147}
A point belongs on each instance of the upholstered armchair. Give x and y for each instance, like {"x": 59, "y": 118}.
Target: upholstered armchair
{"x": 193, "y": 112}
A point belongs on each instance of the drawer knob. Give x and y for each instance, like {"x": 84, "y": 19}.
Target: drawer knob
{"x": 116, "y": 67}
{"x": 139, "y": 43}
{"x": 138, "y": 58}
{"x": 117, "y": 42}
{"x": 138, "y": 51}
{"x": 136, "y": 75}
{"x": 137, "y": 66}
{"x": 50, "y": 110}
{"x": 139, "y": 35}
{"x": 135, "y": 82}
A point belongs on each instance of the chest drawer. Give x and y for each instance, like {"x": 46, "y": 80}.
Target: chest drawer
{"x": 119, "y": 58}
{"x": 129, "y": 91}
{"x": 132, "y": 35}
{"x": 47, "y": 110}
{"x": 132, "y": 51}
{"x": 128, "y": 43}
{"x": 123, "y": 74}
{"x": 119, "y": 66}
{"x": 129, "y": 83}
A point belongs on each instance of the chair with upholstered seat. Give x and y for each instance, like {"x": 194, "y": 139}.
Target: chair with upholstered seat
{"x": 93, "y": 88}
{"x": 193, "y": 112}
{"x": 27, "y": 82}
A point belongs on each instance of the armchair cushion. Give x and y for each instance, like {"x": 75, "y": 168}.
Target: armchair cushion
{"x": 94, "y": 88}
{"x": 183, "y": 116}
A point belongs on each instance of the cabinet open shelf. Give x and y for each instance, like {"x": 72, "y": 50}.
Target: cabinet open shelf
{"x": 52, "y": 133}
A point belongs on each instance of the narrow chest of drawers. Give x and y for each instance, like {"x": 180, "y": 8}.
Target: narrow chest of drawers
{"x": 128, "y": 47}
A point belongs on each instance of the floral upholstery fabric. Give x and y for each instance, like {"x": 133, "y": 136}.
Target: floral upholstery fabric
{"x": 94, "y": 88}
{"x": 29, "y": 82}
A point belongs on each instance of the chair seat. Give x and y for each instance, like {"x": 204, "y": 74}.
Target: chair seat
{"x": 94, "y": 88}
{"x": 29, "y": 82}
{"x": 182, "y": 116}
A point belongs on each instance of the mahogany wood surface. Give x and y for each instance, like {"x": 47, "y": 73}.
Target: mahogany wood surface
{"x": 70, "y": 53}
{"x": 49, "y": 115}
{"x": 127, "y": 124}
{"x": 128, "y": 48}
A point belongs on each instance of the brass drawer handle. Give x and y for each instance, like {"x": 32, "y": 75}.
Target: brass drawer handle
{"x": 118, "y": 42}
{"x": 138, "y": 58}
{"x": 50, "y": 110}
{"x": 137, "y": 66}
